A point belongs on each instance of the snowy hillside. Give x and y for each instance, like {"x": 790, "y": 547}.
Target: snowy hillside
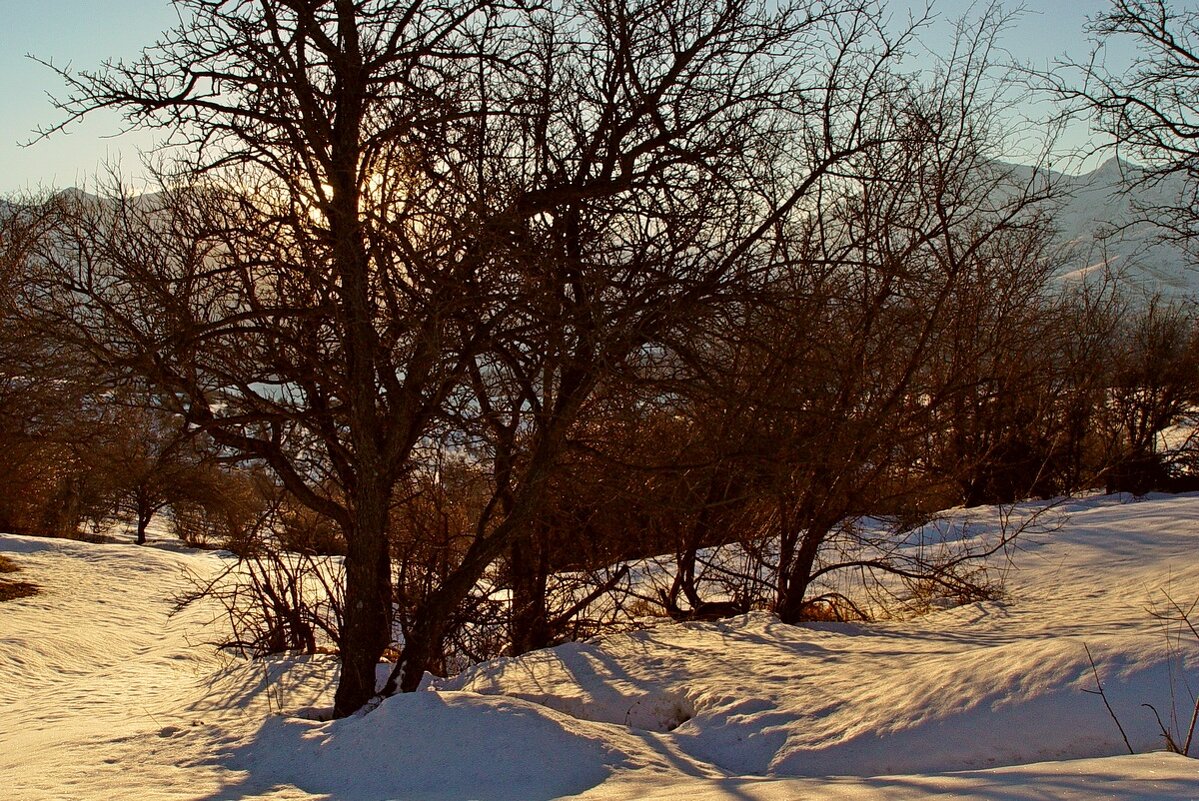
{"x": 107, "y": 697}
{"x": 1099, "y": 224}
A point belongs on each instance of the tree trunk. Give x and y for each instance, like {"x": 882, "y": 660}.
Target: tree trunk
{"x": 530, "y": 626}
{"x": 424, "y": 641}
{"x": 144, "y": 515}
{"x": 790, "y": 604}
{"x": 423, "y": 644}
{"x": 366, "y": 630}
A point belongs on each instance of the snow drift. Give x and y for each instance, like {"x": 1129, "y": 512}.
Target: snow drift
{"x": 109, "y": 697}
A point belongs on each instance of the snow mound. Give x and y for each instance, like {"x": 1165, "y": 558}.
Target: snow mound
{"x": 432, "y": 746}
{"x": 107, "y": 695}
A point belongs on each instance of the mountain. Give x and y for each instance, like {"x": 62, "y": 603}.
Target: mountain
{"x": 1098, "y": 222}
{"x": 1101, "y": 227}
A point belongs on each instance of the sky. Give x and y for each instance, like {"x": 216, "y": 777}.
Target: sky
{"x": 78, "y": 32}
{"x": 83, "y": 33}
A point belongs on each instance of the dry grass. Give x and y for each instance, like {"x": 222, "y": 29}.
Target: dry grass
{"x": 11, "y": 590}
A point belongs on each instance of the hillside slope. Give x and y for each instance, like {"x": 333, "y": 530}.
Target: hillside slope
{"x": 1099, "y": 223}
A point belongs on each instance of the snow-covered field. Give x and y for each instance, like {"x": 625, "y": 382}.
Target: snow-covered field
{"x": 104, "y": 696}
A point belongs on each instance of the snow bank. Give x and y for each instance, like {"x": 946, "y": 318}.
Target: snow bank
{"x": 432, "y": 746}
{"x": 981, "y": 685}
{"x": 108, "y": 697}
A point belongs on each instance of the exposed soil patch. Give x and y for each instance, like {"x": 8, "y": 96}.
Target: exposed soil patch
{"x": 11, "y": 590}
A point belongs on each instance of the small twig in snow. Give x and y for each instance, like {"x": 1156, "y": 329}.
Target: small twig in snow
{"x": 1103, "y": 695}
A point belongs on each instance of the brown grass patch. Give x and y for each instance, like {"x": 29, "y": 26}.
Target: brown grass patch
{"x": 12, "y": 590}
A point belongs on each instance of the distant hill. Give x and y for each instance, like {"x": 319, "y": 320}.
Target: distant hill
{"x": 1099, "y": 225}
{"x": 1099, "y": 222}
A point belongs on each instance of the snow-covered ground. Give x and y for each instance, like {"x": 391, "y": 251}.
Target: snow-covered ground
{"x": 104, "y": 696}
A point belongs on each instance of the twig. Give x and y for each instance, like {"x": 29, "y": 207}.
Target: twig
{"x": 1183, "y": 618}
{"x": 563, "y": 618}
{"x": 1100, "y": 692}
{"x": 1186, "y": 747}
{"x": 1171, "y": 746}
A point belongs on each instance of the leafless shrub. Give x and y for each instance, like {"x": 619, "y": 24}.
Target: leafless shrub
{"x": 273, "y": 599}
{"x": 1178, "y": 729}
{"x": 1178, "y": 622}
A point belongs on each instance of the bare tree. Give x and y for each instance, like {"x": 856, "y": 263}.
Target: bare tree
{"x": 1150, "y": 108}
{"x": 293, "y": 289}
{"x": 151, "y": 461}
{"x": 660, "y": 169}
{"x": 53, "y": 412}
{"x": 386, "y": 212}
{"x": 898, "y": 298}
{"x": 1153, "y": 384}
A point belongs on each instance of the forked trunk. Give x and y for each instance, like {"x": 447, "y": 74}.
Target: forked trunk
{"x": 789, "y": 606}
{"x": 422, "y": 648}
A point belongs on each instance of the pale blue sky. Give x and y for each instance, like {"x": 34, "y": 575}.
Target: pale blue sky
{"x": 84, "y": 32}
{"x": 81, "y": 32}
